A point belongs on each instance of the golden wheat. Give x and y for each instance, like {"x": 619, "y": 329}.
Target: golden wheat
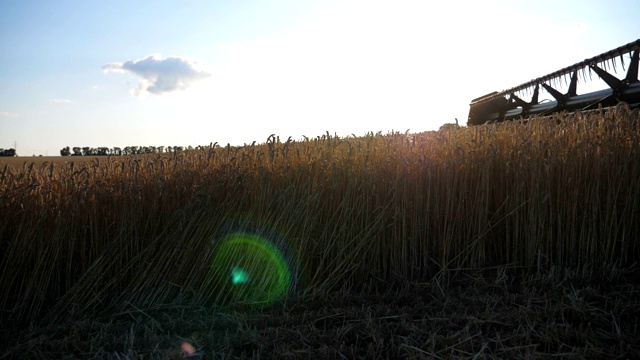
{"x": 549, "y": 192}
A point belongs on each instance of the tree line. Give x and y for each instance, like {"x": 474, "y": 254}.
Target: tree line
{"x": 117, "y": 151}
{"x": 8, "y": 152}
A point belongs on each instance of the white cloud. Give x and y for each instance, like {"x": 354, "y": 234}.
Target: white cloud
{"x": 6, "y": 114}
{"x": 60, "y": 101}
{"x": 158, "y": 76}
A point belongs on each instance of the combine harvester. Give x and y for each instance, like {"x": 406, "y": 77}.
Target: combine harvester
{"x": 509, "y": 104}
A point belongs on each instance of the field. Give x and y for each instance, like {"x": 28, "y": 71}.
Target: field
{"x": 19, "y": 161}
{"x": 510, "y": 240}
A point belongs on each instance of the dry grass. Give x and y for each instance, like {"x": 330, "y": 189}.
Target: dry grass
{"x": 84, "y": 240}
{"x": 563, "y": 315}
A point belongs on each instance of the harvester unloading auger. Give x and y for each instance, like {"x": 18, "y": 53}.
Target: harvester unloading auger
{"x": 508, "y": 104}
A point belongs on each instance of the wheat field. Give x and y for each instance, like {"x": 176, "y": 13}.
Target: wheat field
{"x": 329, "y": 215}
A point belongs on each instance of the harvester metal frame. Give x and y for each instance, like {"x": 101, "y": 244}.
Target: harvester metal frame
{"x": 508, "y": 104}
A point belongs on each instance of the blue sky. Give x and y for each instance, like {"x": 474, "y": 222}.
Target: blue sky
{"x": 119, "y": 73}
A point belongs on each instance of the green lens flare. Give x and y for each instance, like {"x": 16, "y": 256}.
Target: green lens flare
{"x": 239, "y": 276}
{"x": 249, "y": 269}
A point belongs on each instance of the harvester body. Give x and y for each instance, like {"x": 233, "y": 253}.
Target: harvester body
{"x": 509, "y": 104}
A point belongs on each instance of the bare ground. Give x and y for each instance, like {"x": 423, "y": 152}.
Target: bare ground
{"x": 479, "y": 315}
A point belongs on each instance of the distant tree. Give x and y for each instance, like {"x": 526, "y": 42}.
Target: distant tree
{"x": 117, "y": 151}
{"x": 8, "y": 152}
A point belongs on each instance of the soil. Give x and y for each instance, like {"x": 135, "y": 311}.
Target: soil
{"x": 472, "y": 315}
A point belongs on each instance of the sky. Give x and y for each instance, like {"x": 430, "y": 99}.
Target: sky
{"x": 152, "y": 73}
